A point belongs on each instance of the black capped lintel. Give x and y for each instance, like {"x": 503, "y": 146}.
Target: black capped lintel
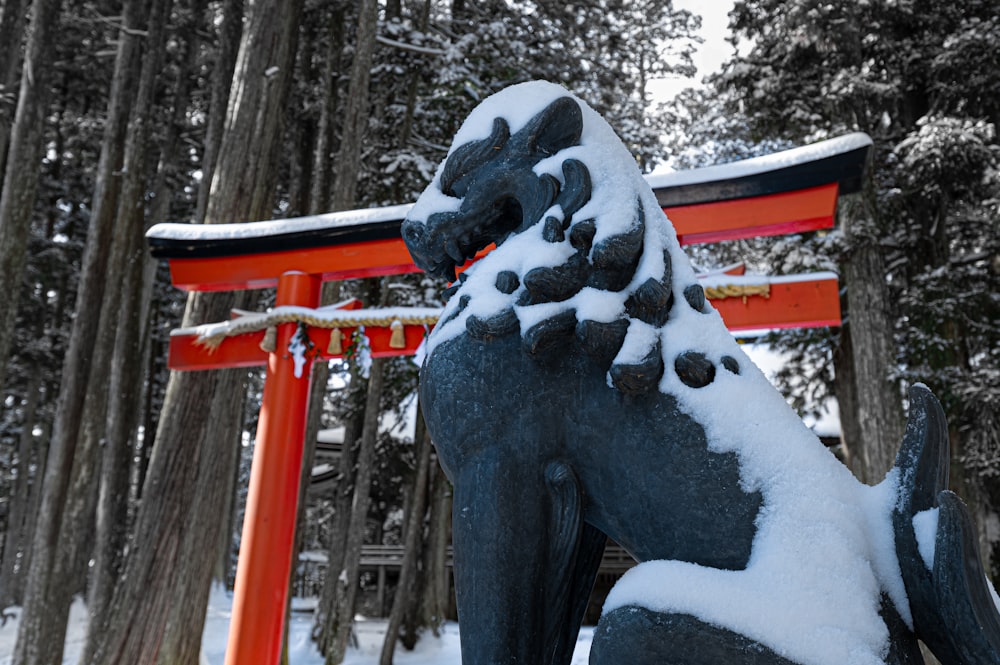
{"x": 342, "y": 234}
{"x": 847, "y": 169}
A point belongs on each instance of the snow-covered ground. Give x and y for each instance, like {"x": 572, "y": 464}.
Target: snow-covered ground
{"x": 302, "y": 651}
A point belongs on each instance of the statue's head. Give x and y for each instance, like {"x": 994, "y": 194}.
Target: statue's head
{"x": 494, "y": 189}
{"x": 583, "y": 252}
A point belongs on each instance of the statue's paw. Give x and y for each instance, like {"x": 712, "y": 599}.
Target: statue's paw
{"x": 963, "y": 624}
{"x": 634, "y": 635}
{"x": 652, "y": 300}
{"x": 952, "y": 606}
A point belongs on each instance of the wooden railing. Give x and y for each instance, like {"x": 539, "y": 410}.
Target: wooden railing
{"x": 383, "y": 559}
{"x": 616, "y": 560}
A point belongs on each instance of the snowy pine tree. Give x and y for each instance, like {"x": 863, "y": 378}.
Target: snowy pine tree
{"x": 915, "y": 76}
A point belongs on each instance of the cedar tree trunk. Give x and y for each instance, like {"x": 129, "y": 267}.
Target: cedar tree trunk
{"x": 157, "y": 612}
{"x": 356, "y": 108}
{"x": 11, "y": 32}
{"x": 406, "y": 590}
{"x": 48, "y": 594}
{"x": 20, "y": 183}
{"x": 346, "y": 583}
{"x": 876, "y": 396}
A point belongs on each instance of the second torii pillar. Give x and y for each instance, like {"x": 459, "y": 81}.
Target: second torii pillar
{"x": 261, "y": 591}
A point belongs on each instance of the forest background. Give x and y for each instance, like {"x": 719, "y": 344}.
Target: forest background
{"x": 124, "y": 483}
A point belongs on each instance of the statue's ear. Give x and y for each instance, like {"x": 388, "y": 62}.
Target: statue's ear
{"x": 469, "y": 157}
{"x": 558, "y": 126}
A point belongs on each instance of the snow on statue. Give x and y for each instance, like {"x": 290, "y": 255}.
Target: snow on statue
{"x": 580, "y": 386}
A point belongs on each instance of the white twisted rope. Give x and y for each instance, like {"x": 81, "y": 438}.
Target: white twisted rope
{"x": 212, "y": 334}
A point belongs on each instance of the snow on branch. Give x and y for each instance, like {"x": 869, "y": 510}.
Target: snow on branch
{"x": 409, "y": 47}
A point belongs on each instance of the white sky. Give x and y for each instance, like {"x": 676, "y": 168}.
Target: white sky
{"x": 711, "y": 54}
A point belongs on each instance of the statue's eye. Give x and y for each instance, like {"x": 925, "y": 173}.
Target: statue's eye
{"x": 509, "y": 213}
{"x": 413, "y": 233}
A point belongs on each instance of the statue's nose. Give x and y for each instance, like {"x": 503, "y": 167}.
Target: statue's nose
{"x": 413, "y": 234}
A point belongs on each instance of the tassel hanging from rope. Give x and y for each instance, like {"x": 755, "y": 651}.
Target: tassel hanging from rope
{"x": 336, "y": 345}
{"x": 270, "y": 341}
{"x": 398, "y": 338}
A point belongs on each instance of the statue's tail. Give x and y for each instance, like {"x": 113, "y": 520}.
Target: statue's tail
{"x": 953, "y": 606}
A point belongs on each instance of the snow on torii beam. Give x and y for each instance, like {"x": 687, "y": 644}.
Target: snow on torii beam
{"x": 785, "y": 192}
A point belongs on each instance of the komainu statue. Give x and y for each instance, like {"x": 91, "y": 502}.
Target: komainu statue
{"x": 580, "y": 387}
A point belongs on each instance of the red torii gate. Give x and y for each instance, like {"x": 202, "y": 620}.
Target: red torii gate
{"x": 788, "y": 192}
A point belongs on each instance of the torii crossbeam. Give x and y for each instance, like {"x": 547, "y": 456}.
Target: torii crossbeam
{"x": 787, "y": 192}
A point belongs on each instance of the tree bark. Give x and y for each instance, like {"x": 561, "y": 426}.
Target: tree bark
{"x": 95, "y": 439}
{"x": 436, "y": 582}
{"x": 300, "y": 138}
{"x": 141, "y": 605}
{"x": 327, "y": 618}
{"x": 149, "y": 420}
{"x": 18, "y": 534}
{"x": 158, "y": 610}
{"x": 844, "y": 388}
{"x": 356, "y": 109}
{"x": 11, "y": 32}
{"x": 255, "y": 114}
{"x": 346, "y": 586}
{"x": 34, "y": 505}
{"x": 322, "y": 157}
{"x": 335, "y": 616}
{"x": 182, "y": 636}
{"x": 876, "y": 396}
{"x": 42, "y": 628}
{"x": 406, "y": 598}
{"x": 41, "y": 456}
{"x": 323, "y": 631}
{"x": 319, "y": 195}
{"x": 222, "y": 78}
{"x": 29, "y": 466}
{"x": 121, "y": 329}
{"x": 27, "y": 143}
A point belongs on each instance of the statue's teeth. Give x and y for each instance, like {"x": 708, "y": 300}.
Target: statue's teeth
{"x": 453, "y": 251}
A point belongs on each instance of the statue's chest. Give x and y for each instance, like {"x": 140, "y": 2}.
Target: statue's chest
{"x": 498, "y": 375}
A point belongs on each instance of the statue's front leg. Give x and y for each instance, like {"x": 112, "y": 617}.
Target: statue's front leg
{"x": 515, "y": 536}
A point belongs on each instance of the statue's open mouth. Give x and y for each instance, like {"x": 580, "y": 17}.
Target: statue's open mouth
{"x": 449, "y": 239}
{"x": 499, "y": 191}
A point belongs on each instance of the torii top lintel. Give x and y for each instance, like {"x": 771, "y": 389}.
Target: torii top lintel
{"x": 786, "y": 192}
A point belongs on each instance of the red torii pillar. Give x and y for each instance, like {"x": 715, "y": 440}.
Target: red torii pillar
{"x": 261, "y": 591}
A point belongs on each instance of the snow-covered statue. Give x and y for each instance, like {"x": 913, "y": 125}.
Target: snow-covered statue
{"x": 579, "y": 386}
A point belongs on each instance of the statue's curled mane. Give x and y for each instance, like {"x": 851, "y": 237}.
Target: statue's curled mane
{"x": 606, "y": 274}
